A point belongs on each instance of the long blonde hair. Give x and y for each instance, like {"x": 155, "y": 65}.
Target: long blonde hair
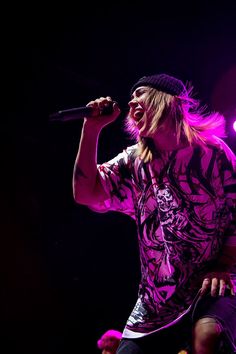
{"x": 193, "y": 124}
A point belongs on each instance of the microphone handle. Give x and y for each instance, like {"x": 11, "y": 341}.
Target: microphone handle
{"x": 78, "y": 113}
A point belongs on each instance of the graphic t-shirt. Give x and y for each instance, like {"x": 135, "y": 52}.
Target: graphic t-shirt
{"x": 183, "y": 203}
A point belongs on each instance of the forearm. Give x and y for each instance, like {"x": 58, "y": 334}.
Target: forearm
{"x": 87, "y": 188}
{"x": 85, "y": 167}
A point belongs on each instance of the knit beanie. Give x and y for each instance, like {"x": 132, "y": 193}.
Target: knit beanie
{"x": 162, "y": 82}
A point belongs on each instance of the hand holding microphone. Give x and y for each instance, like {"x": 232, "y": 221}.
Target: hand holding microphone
{"x": 102, "y": 109}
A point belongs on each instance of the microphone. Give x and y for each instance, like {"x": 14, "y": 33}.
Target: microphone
{"x": 78, "y": 113}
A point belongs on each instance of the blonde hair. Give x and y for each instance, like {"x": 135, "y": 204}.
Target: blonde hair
{"x": 192, "y": 123}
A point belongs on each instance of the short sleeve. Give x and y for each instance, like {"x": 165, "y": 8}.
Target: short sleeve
{"x": 116, "y": 179}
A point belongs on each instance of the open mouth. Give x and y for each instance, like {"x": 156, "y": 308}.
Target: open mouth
{"x": 137, "y": 115}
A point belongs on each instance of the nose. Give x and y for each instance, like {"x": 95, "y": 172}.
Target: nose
{"x": 132, "y": 103}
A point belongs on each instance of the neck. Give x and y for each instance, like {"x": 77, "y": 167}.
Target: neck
{"x": 167, "y": 141}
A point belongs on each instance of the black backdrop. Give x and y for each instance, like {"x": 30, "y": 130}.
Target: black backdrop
{"x": 70, "y": 274}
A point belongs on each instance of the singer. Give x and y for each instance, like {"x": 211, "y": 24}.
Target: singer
{"x": 177, "y": 181}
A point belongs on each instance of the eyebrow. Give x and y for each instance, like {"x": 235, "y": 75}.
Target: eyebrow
{"x": 140, "y": 90}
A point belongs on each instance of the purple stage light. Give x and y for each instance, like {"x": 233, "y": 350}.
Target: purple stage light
{"x": 234, "y": 126}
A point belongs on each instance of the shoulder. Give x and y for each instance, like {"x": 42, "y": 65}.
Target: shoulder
{"x": 129, "y": 154}
{"x": 224, "y": 153}
{"x": 227, "y": 154}
{"x": 131, "y": 150}
{"x": 124, "y": 159}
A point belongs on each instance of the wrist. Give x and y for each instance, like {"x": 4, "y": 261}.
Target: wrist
{"x": 91, "y": 127}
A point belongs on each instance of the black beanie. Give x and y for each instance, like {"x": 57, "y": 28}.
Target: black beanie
{"x": 162, "y": 82}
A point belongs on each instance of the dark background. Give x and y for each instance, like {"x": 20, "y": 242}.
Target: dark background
{"x": 69, "y": 274}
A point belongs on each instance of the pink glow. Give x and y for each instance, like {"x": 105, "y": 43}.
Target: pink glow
{"x": 110, "y": 340}
{"x": 234, "y": 125}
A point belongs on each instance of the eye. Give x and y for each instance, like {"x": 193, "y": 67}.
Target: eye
{"x": 139, "y": 92}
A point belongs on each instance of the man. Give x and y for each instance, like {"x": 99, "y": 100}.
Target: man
{"x": 178, "y": 183}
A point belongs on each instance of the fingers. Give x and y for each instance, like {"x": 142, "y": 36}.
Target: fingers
{"x": 104, "y": 112}
{"x": 105, "y": 108}
{"x": 214, "y": 286}
{"x": 100, "y": 103}
{"x": 211, "y": 285}
{"x": 232, "y": 287}
{"x": 217, "y": 284}
{"x": 205, "y": 285}
{"x": 222, "y": 287}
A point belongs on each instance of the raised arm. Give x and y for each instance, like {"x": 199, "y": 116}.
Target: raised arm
{"x": 87, "y": 188}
